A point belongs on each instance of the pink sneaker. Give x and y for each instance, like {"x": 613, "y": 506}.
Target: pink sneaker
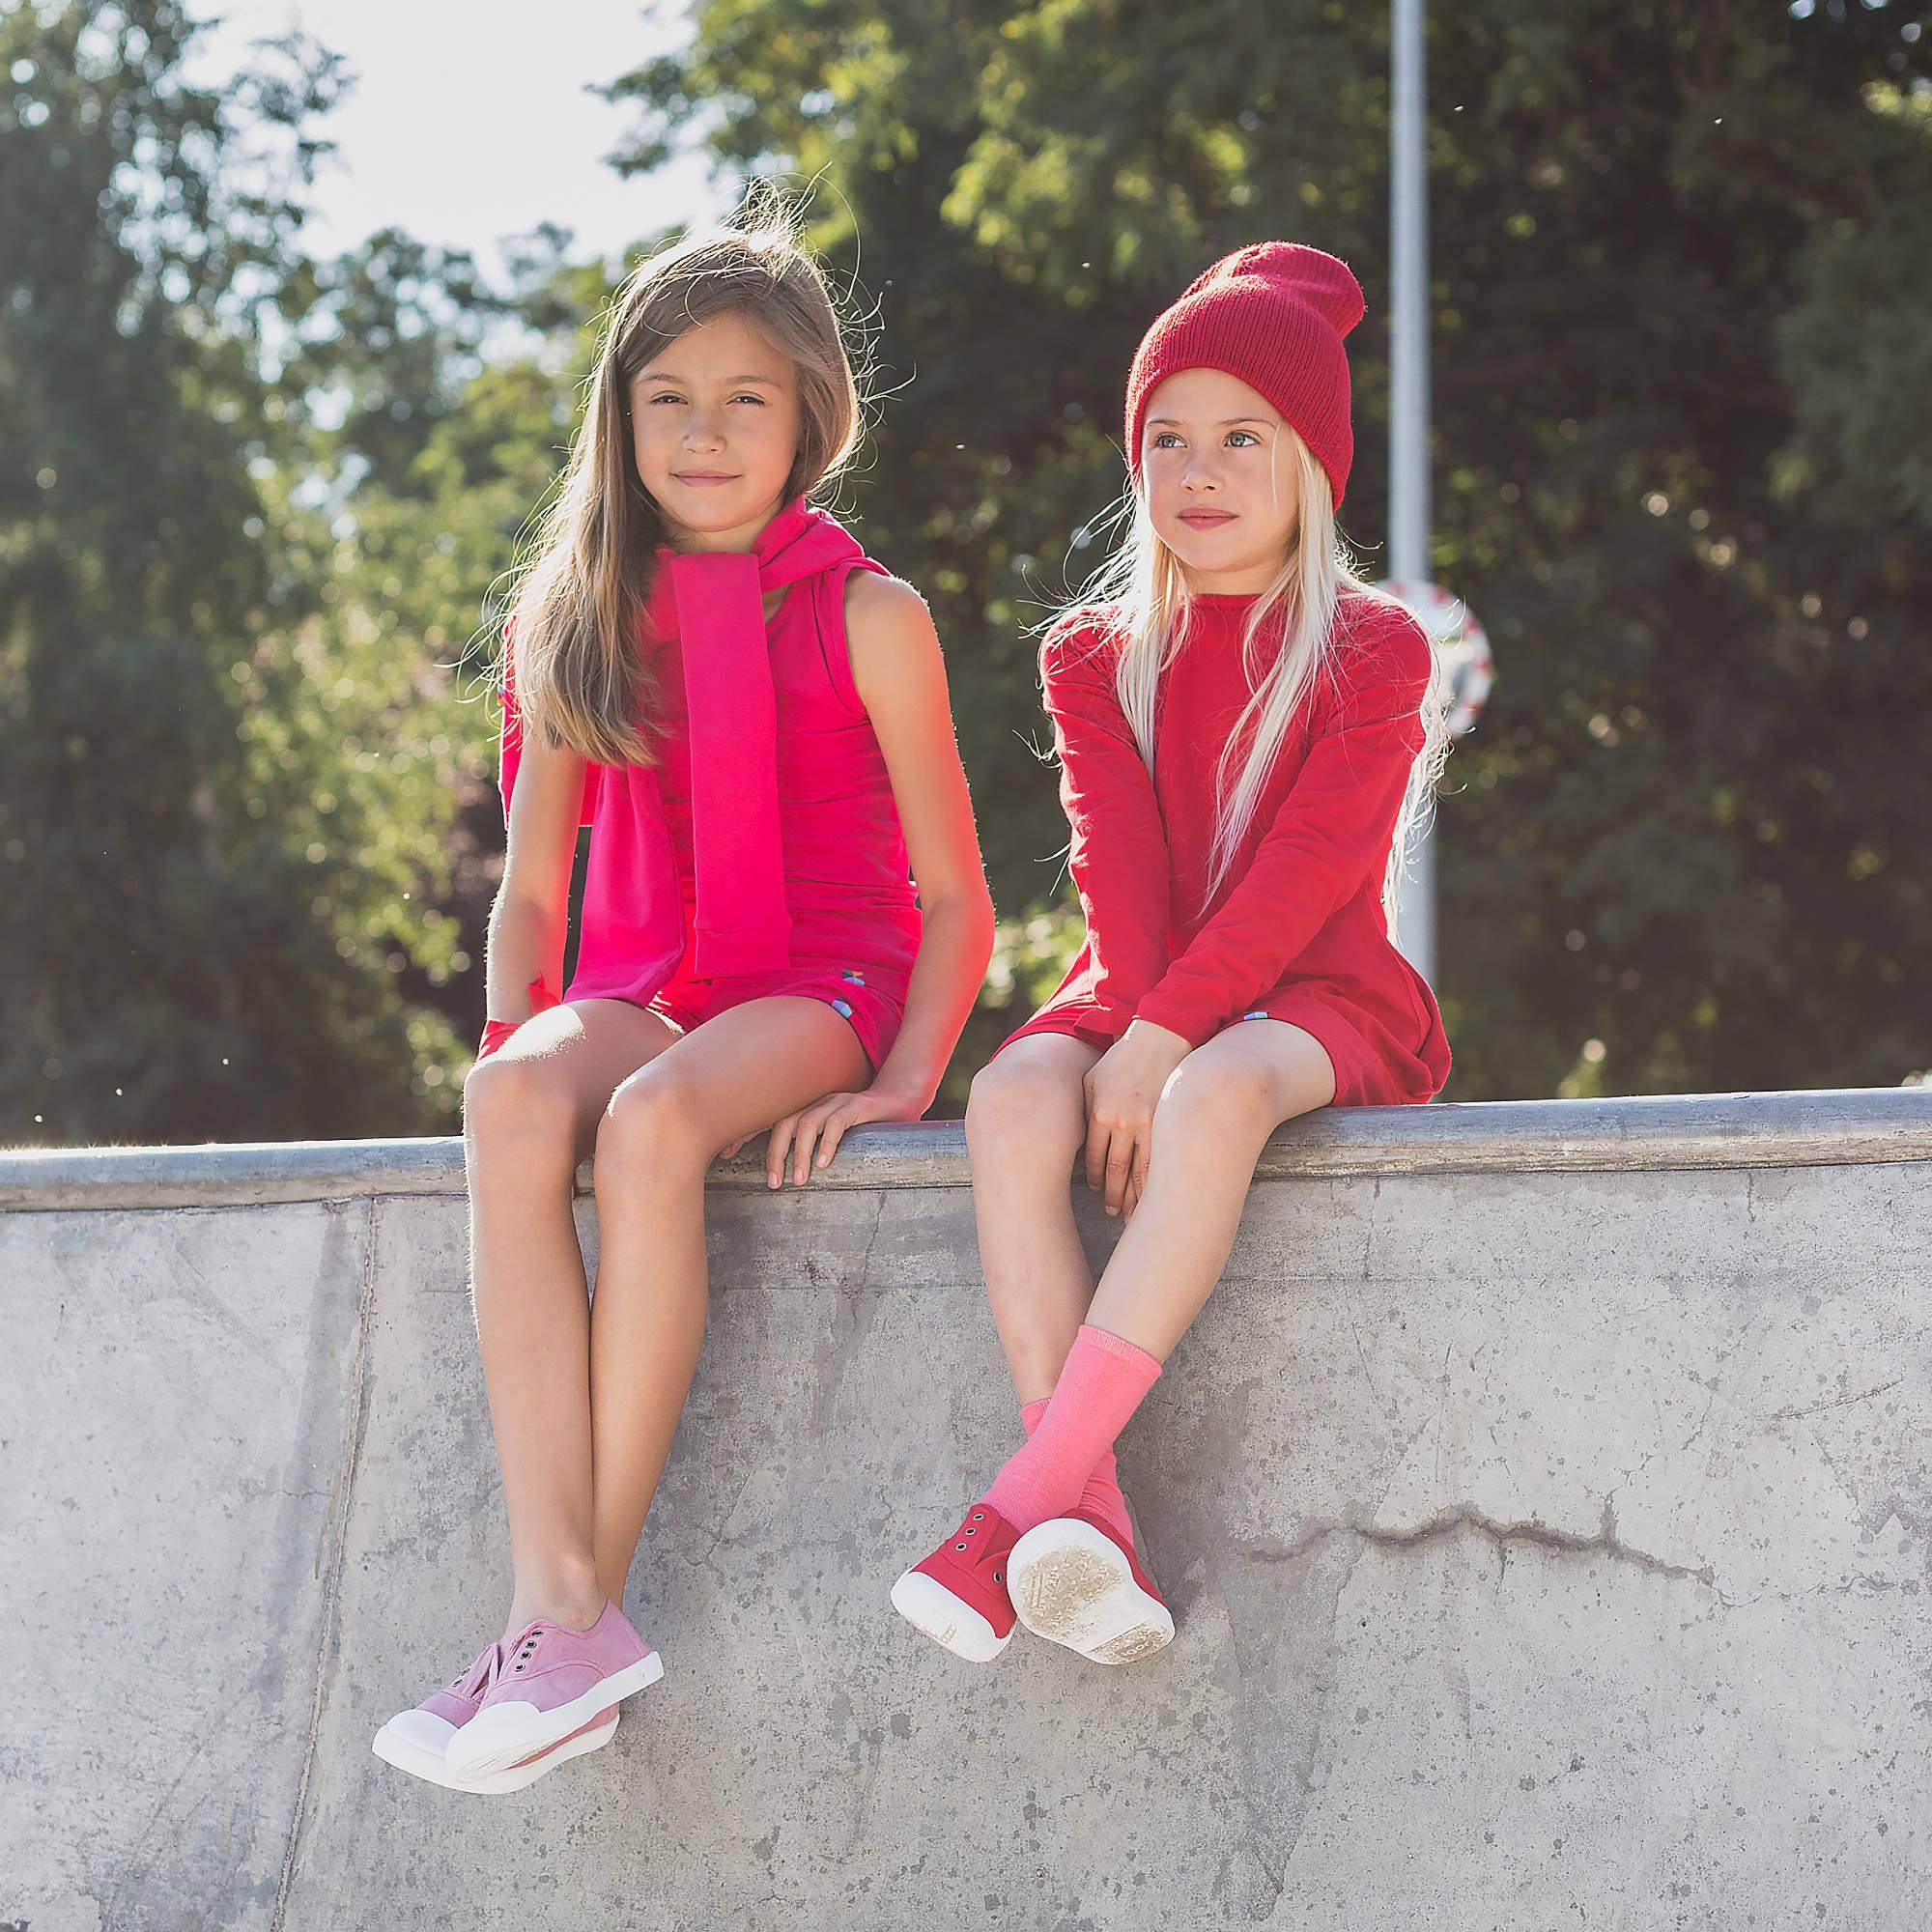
{"x": 417, "y": 1741}
{"x": 957, "y": 1596}
{"x": 553, "y": 1680}
{"x": 1075, "y": 1581}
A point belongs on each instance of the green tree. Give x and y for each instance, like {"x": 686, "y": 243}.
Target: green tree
{"x": 170, "y": 962}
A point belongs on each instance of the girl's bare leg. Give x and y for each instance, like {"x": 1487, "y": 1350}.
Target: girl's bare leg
{"x": 530, "y": 1115}
{"x": 736, "y": 1073}
{"x": 1213, "y": 1117}
{"x": 1026, "y": 1123}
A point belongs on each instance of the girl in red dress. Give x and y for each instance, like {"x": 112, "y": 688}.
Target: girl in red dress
{"x": 1248, "y": 737}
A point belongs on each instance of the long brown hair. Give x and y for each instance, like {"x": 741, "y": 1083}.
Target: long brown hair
{"x": 583, "y": 679}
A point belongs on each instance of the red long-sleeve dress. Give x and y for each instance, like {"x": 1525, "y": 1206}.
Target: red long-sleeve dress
{"x": 1296, "y": 932}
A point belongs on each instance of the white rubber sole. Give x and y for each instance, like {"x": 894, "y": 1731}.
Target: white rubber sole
{"x": 1073, "y": 1586}
{"x": 931, "y": 1607}
{"x": 501, "y": 1737}
{"x": 418, "y": 1743}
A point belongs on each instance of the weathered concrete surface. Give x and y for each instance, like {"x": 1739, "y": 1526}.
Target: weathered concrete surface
{"x": 176, "y": 1395}
{"x": 1549, "y": 1549}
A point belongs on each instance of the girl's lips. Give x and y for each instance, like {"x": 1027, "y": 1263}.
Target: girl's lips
{"x": 1207, "y": 518}
{"x": 698, "y": 482}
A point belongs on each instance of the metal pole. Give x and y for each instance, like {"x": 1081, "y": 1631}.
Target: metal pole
{"x": 1408, "y": 388}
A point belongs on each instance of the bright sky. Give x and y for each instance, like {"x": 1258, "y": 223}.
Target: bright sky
{"x": 468, "y": 124}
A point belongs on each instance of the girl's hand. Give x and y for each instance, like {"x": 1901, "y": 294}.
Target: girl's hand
{"x": 824, "y": 1121}
{"x": 1122, "y": 1088}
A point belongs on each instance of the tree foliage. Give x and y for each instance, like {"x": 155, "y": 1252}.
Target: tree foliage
{"x": 256, "y": 509}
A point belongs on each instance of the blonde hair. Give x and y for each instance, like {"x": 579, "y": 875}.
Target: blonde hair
{"x": 1315, "y": 598}
{"x": 578, "y": 602}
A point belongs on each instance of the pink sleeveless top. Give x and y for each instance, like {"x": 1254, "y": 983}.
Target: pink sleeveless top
{"x": 848, "y": 895}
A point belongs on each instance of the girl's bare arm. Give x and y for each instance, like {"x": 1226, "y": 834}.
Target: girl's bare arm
{"x": 528, "y": 920}
{"x": 900, "y": 674}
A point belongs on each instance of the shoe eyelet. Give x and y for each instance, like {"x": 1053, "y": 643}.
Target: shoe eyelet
{"x": 972, "y": 1532}
{"x": 979, "y": 1516}
{"x": 959, "y": 1545}
{"x": 999, "y": 1576}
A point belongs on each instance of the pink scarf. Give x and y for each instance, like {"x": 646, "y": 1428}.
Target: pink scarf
{"x": 633, "y": 936}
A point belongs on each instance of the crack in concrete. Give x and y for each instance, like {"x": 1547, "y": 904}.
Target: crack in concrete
{"x": 343, "y": 1484}
{"x": 871, "y": 1241}
{"x": 1467, "y": 1515}
{"x": 1304, "y": 1771}
{"x": 1361, "y": 1354}
{"x": 1837, "y": 1401}
{"x": 1716, "y": 1375}
{"x": 132, "y": 1863}
{"x": 703, "y": 1560}
{"x": 1605, "y": 1543}
{"x": 856, "y": 1310}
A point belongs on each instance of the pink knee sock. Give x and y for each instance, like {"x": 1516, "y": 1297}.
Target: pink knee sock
{"x": 1100, "y": 1387}
{"x": 1101, "y": 1496}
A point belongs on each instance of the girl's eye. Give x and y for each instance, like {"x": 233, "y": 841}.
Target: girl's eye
{"x": 1163, "y": 438}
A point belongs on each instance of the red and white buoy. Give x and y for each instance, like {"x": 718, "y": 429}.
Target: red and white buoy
{"x": 1461, "y": 648}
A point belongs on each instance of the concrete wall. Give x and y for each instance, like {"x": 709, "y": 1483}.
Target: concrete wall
{"x": 1544, "y": 1498}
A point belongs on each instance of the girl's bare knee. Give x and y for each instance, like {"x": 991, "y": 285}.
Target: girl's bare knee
{"x": 1021, "y": 1109}
{"x": 652, "y": 1126}
{"x": 1223, "y": 1102}
{"x": 515, "y": 1100}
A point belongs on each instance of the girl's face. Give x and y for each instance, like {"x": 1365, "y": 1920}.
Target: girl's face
{"x": 714, "y": 428}
{"x": 1218, "y": 469}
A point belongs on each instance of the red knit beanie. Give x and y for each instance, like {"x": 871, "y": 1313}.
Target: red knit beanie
{"x": 1273, "y": 314}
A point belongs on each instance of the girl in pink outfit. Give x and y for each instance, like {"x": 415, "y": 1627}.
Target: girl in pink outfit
{"x": 1247, "y": 736}
{"x": 751, "y": 716}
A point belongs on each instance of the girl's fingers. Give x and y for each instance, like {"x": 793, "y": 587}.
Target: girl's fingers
{"x": 1119, "y": 1164}
{"x": 1096, "y": 1155}
{"x": 833, "y": 1133}
{"x": 809, "y": 1123}
{"x": 775, "y": 1151}
{"x": 1137, "y": 1175}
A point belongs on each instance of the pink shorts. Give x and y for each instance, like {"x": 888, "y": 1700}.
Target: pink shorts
{"x": 873, "y": 1012}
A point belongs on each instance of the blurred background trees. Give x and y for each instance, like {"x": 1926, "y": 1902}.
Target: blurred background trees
{"x": 256, "y": 509}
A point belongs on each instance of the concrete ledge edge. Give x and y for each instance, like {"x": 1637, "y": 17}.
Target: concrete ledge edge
{"x": 1835, "y": 1126}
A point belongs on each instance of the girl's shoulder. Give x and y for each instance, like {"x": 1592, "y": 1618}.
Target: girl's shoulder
{"x": 890, "y": 645}
{"x": 876, "y": 602}
{"x": 1080, "y": 635}
{"x": 1378, "y": 641}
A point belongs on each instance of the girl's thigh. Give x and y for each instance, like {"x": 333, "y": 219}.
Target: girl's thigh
{"x": 749, "y": 1066}
{"x": 573, "y": 1057}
